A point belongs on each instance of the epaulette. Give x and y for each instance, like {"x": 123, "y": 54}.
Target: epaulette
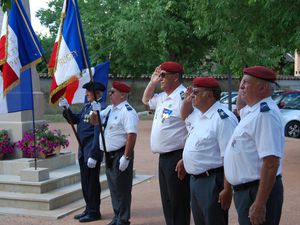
{"x": 182, "y": 95}
{"x": 264, "y": 107}
{"x": 128, "y": 107}
{"x": 222, "y": 114}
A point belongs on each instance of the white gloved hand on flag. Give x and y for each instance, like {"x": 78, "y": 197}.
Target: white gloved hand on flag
{"x": 96, "y": 106}
{"x": 63, "y": 103}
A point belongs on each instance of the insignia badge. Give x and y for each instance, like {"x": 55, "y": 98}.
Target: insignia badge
{"x": 222, "y": 114}
{"x": 128, "y": 107}
{"x": 182, "y": 95}
{"x": 264, "y": 107}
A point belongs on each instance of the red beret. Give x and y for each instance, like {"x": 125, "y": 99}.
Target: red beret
{"x": 171, "y": 67}
{"x": 260, "y": 72}
{"x": 121, "y": 86}
{"x": 206, "y": 82}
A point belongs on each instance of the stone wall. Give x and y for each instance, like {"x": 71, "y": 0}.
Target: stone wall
{"x": 138, "y": 86}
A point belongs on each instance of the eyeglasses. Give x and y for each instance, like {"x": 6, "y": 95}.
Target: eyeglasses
{"x": 112, "y": 91}
{"x": 163, "y": 75}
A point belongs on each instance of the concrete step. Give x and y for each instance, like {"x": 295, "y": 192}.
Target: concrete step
{"x": 14, "y": 166}
{"x": 57, "y": 178}
{"x": 63, "y": 210}
{"x": 45, "y": 201}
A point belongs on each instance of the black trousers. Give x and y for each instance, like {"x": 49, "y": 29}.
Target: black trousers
{"x": 91, "y": 188}
{"x": 244, "y": 199}
{"x": 175, "y": 193}
{"x": 204, "y": 199}
{"x": 120, "y": 186}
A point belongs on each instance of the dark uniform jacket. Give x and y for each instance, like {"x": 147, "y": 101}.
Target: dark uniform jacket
{"x": 88, "y": 133}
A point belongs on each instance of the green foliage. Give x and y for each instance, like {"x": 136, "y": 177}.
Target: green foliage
{"x": 5, "y": 5}
{"x": 212, "y": 36}
{"x": 248, "y": 32}
{"x": 138, "y": 35}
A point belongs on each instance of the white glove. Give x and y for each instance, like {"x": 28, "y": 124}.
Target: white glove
{"x": 63, "y": 103}
{"x": 96, "y": 106}
{"x": 123, "y": 163}
{"x": 91, "y": 163}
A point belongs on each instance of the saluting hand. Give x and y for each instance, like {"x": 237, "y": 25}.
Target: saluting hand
{"x": 155, "y": 78}
{"x": 188, "y": 94}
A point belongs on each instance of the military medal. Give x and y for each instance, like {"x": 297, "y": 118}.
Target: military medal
{"x": 166, "y": 114}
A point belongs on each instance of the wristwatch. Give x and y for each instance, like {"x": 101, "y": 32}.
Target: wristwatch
{"x": 127, "y": 157}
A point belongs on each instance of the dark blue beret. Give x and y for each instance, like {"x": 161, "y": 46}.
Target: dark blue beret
{"x": 98, "y": 86}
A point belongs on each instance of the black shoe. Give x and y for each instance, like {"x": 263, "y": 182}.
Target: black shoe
{"x": 88, "y": 218}
{"x": 78, "y": 216}
{"x": 113, "y": 222}
{"x": 123, "y": 223}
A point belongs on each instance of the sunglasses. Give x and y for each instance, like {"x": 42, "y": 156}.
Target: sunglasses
{"x": 163, "y": 75}
{"x": 112, "y": 91}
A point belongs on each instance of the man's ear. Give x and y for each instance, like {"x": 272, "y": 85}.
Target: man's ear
{"x": 176, "y": 77}
{"x": 263, "y": 86}
{"x": 123, "y": 95}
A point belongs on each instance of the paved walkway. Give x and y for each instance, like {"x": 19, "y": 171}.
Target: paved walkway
{"x": 146, "y": 205}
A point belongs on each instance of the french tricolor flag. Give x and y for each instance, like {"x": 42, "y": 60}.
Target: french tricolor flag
{"x": 69, "y": 55}
{"x": 18, "y": 98}
{"x": 73, "y": 92}
{"x": 19, "y": 46}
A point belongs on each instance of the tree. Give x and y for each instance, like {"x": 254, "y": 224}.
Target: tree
{"x": 137, "y": 34}
{"x": 248, "y": 32}
{"x": 214, "y": 36}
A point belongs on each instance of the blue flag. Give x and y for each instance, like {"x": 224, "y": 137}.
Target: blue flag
{"x": 20, "y": 97}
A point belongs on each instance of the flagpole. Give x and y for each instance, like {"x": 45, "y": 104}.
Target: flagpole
{"x": 33, "y": 124}
{"x": 107, "y": 159}
{"x": 69, "y": 119}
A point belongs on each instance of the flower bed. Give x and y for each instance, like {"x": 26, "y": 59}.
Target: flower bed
{"x": 46, "y": 142}
{"x": 6, "y": 146}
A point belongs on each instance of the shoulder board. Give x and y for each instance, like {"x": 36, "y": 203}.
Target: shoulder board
{"x": 182, "y": 95}
{"x": 128, "y": 107}
{"x": 222, "y": 114}
{"x": 264, "y": 107}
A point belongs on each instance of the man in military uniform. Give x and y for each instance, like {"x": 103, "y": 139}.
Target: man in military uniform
{"x": 253, "y": 157}
{"x": 89, "y": 154}
{"x": 168, "y": 136}
{"x": 210, "y": 126}
{"x": 120, "y": 123}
